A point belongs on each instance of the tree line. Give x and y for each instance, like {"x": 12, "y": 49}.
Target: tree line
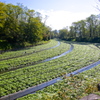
{"x": 84, "y": 30}
{"x": 20, "y": 25}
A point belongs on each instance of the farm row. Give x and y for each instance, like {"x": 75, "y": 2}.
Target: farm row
{"x": 20, "y": 79}
{"x": 28, "y": 50}
{"x": 33, "y": 58}
{"x": 70, "y": 88}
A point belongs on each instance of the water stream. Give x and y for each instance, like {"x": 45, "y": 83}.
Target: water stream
{"x": 33, "y": 89}
{"x": 71, "y": 48}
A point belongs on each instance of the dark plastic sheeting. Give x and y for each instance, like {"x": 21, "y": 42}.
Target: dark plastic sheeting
{"x": 55, "y": 46}
{"x": 43, "y": 85}
{"x": 71, "y": 48}
{"x": 38, "y": 87}
{"x": 29, "y": 90}
{"x": 32, "y": 52}
{"x": 85, "y": 68}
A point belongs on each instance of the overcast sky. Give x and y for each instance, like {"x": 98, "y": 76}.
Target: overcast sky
{"x": 61, "y": 13}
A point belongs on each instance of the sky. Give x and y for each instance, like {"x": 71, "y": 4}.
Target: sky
{"x": 61, "y": 13}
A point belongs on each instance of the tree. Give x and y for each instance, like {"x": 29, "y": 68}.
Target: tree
{"x": 63, "y": 33}
{"x": 18, "y": 25}
{"x": 2, "y": 14}
{"x": 11, "y": 26}
{"x": 92, "y": 23}
{"x": 55, "y": 33}
{"x": 98, "y": 5}
{"x": 85, "y": 30}
{"x": 34, "y": 30}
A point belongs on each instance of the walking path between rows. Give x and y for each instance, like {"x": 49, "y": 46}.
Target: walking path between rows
{"x": 25, "y": 54}
{"x": 31, "y": 89}
{"x": 21, "y": 66}
{"x": 43, "y": 85}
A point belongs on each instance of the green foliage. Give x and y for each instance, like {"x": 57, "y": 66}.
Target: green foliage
{"x": 70, "y": 88}
{"x": 2, "y": 14}
{"x": 82, "y": 55}
{"x": 84, "y": 30}
{"x": 19, "y": 24}
{"x": 63, "y": 33}
{"x": 30, "y": 59}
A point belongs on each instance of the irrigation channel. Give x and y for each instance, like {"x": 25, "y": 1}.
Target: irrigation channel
{"x": 32, "y": 52}
{"x": 33, "y": 89}
{"x": 36, "y": 62}
{"x": 71, "y": 48}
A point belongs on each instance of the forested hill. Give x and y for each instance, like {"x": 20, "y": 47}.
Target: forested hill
{"x": 20, "y": 25}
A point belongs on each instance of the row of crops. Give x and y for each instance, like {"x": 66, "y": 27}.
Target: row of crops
{"x": 71, "y": 88}
{"x": 26, "y": 51}
{"x": 32, "y": 58}
{"x": 98, "y": 45}
{"x": 20, "y": 79}
{"x": 5, "y": 81}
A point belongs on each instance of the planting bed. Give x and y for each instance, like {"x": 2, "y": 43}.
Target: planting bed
{"x": 32, "y": 59}
{"x": 20, "y": 79}
{"x": 28, "y": 50}
{"x": 70, "y": 88}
